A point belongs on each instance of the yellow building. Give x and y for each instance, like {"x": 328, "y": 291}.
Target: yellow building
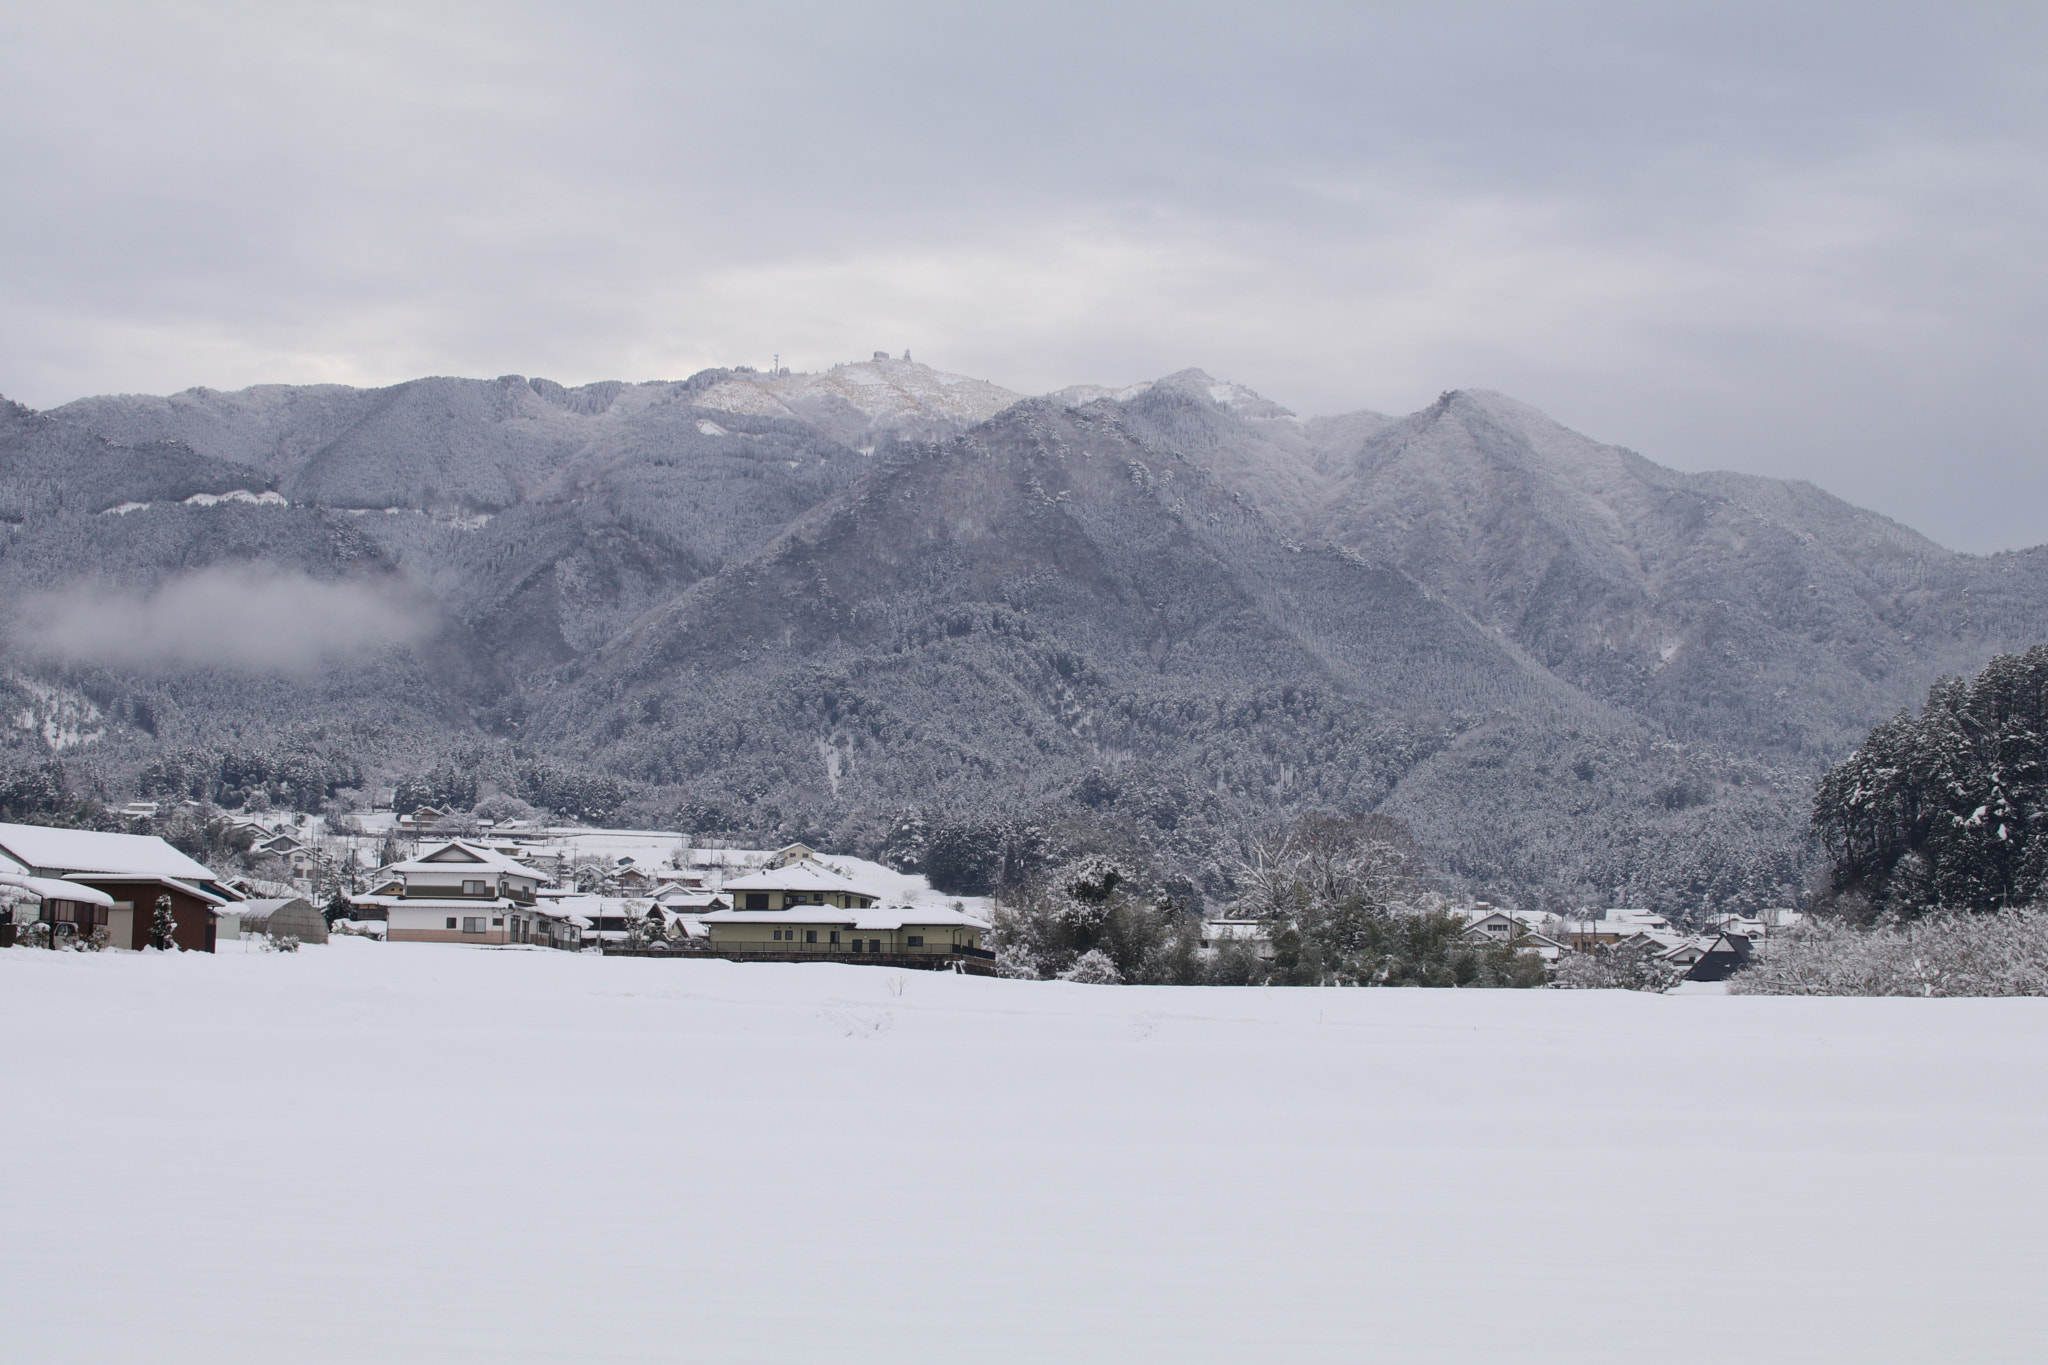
{"x": 804, "y": 931}
{"x": 797, "y": 909}
{"x": 799, "y": 882}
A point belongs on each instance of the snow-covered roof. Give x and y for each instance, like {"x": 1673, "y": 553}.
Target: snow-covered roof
{"x": 897, "y": 917}
{"x": 480, "y": 859}
{"x": 689, "y": 900}
{"x": 270, "y": 904}
{"x": 1236, "y": 928}
{"x": 803, "y": 876}
{"x": 48, "y": 888}
{"x": 86, "y": 850}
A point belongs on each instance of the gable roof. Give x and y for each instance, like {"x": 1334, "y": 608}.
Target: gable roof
{"x": 86, "y": 850}
{"x": 804, "y": 876}
{"x": 466, "y": 858}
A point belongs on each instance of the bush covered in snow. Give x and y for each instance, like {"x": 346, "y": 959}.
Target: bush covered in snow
{"x": 1947, "y": 954}
{"x": 1623, "y": 967}
{"x": 1093, "y": 968}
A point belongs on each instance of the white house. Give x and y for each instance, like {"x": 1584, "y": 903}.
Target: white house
{"x": 1256, "y": 935}
{"x": 459, "y": 892}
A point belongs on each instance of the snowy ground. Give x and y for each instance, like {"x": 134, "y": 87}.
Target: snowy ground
{"x": 415, "y": 1152}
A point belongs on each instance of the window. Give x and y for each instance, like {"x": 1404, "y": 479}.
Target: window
{"x": 497, "y": 924}
{"x": 856, "y": 945}
{"x": 757, "y": 900}
{"x": 451, "y": 921}
{"x": 874, "y": 945}
{"x": 810, "y": 935}
{"x": 835, "y": 936}
{"x": 473, "y": 924}
{"x": 915, "y": 940}
{"x": 474, "y": 889}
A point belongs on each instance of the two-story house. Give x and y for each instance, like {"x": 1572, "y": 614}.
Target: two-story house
{"x": 458, "y": 892}
{"x": 798, "y": 909}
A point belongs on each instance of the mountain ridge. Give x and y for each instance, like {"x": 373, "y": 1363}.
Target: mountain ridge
{"x": 1174, "y": 605}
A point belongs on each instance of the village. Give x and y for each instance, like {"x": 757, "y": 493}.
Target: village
{"x": 431, "y": 876}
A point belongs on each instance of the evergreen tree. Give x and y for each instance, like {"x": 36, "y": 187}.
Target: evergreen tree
{"x": 1945, "y": 810}
{"x": 163, "y": 925}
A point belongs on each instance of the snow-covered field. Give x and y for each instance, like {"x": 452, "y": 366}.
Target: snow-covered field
{"x": 415, "y": 1152}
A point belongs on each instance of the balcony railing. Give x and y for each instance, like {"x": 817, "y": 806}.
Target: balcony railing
{"x": 456, "y": 893}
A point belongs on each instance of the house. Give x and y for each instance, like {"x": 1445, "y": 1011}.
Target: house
{"x": 804, "y": 931}
{"x": 1725, "y": 956}
{"x": 459, "y": 892}
{"x": 633, "y": 881}
{"x": 292, "y": 915}
{"x": 1256, "y": 935}
{"x": 1614, "y": 926}
{"x": 297, "y": 856}
{"x": 679, "y": 900}
{"x": 139, "y": 810}
{"x": 133, "y": 870}
{"x": 797, "y": 882}
{"x": 1498, "y": 929}
{"x": 792, "y": 853}
{"x": 608, "y": 919}
{"x": 1685, "y": 954}
{"x": 70, "y": 910}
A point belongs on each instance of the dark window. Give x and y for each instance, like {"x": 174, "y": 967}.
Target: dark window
{"x": 810, "y": 935}
{"x": 874, "y": 945}
{"x": 915, "y": 940}
{"x": 497, "y": 924}
{"x": 451, "y": 922}
{"x": 856, "y": 945}
{"x": 835, "y": 936}
{"x": 757, "y": 900}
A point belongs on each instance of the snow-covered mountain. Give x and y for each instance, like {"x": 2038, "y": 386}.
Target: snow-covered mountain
{"x": 898, "y": 397}
{"x": 834, "y": 606}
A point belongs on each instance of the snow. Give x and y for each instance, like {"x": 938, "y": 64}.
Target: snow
{"x": 80, "y": 850}
{"x": 881, "y": 389}
{"x": 804, "y": 1163}
{"x": 267, "y": 498}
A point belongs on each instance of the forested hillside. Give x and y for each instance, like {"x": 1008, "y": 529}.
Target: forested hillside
{"x": 859, "y": 609}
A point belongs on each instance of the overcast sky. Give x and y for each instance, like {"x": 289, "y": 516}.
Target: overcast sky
{"x": 1802, "y": 240}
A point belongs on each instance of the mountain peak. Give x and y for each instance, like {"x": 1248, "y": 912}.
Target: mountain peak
{"x": 886, "y": 392}
{"x": 1192, "y": 383}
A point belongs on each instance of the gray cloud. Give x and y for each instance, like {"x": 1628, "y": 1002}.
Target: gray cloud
{"x": 1798, "y": 240}
{"x": 226, "y": 616}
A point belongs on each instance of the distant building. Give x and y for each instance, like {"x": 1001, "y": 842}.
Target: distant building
{"x": 808, "y": 931}
{"x": 1498, "y": 929}
{"x": 459, "y": 892}
{"x": 798, "y": 881}
{"x": 1256, "y": 935}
